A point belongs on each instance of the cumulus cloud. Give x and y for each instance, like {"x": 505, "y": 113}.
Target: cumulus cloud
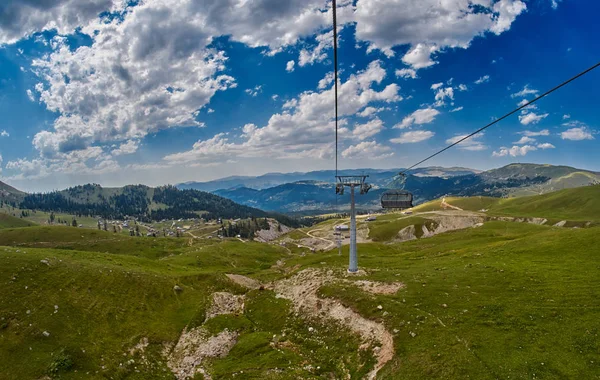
{"x": 472, "y": 144}
{"x": 526, "y": 91}
{"x": 129, "y": 147}
{"x": 435, "y": 86}
{"x": 367, "y": 150}
{"x": 368, "y": 111}
{"x": 326, "y": 81}
{"x": 304, "y": 128}
{"x": 419, "y": 117}
{"x": 515, "y": 151}
{"x": 483, "y": 79}
{"x": 254, "y": 91}
{"x": 457, "y": 109}
{"x": 531, "y": 118}
{"x": 525, "y": 140}
{"x": 290, "y": 66}
{"x": 413, "y": 137}
{"x": 317, "y": 53}
{"x": 3, "y": 133}
{"x": 462, "y": 87}
{"x": 430, "y": 26}
{"x": 545, "y": 146}
{"x": 442, "y": 94}
{"x": 543, "y": 132}
{"x": 577, "y": 134}
{"x": 566, "y": 117}
{"x": 364, "y": 131}
{"x": 406, "y": 73}
{"x": 23, "y": 18}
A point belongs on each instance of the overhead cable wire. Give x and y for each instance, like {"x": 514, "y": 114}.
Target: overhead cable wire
{"x": 502, "y": 118}
{"x": 335, "y": 70}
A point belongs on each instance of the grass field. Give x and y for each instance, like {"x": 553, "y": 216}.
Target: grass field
{"x": 579, "y": 204}
{"x": 8, "y": 221}
{"x": 505, "y": 300}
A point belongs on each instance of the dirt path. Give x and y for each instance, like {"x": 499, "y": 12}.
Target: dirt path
{"x": 331, "y": 243}
{"x": 302, "y": 290}
{"x": 444, "y": 205}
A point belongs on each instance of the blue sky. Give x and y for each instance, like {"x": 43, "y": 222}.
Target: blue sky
{"x": 163, "y": 91}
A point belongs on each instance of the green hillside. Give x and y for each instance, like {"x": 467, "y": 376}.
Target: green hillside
{"x": 578, "y": 204}
{"x": 581, "y": 203}
{"x": 506, "y": 299}
{"x": 9, "y": 221}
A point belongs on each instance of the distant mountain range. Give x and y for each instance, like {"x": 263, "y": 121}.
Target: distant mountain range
{"x": 315, "y": 194}
{"x": 379, "y": 177}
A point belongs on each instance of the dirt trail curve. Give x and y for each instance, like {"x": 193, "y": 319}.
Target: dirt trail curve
{"x": 331, "y": 243}
{"x": 302, "y": 290}
{"x": 446, "y": 205}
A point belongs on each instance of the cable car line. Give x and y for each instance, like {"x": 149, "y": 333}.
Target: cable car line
{"x": 335, "y": 70}
{"x": 503, "y": 117}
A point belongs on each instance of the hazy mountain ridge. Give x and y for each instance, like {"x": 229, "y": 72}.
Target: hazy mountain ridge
{"x": 380, "y": 177}
{"x": 318, "y": 196}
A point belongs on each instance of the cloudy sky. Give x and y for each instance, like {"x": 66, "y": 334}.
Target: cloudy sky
{"x": 166, "y": 91}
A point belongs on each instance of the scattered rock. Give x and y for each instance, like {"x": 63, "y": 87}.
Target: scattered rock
{"x": 45, "y": 262}
{"x": 177, "y": 289}
{"x": 46, "y": 334}
{"x": 444, "y": 305}
{"x": 193, "y": 347}
{"x": 225, "y": 303}
{"x": 561, "y": 223}
{"x": 244, "y": 281}
{"x": 379, "y": 307}
{"x": 379, "y": 287}
{"x": 412, "y": 334}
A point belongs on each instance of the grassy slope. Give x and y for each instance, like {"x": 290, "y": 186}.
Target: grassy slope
{"x": 582, "y": 203}
{"x": 107, "y": 301}
{"x": 521, "y": 302}
{"x": 385, "y": 230}
{"x": 573, "y": 204}
{"x": 9, "y": 221}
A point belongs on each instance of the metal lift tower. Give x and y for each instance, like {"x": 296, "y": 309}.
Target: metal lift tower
{"x": 364, "y": 187}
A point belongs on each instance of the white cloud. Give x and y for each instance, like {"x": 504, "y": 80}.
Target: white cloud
{"x": 543, "y": 132}
{"x": 419, "y": 117}
{"x": 531, "y": 118}
{"x": 462, "y": 87}
{"x": 566, "y": 117}
{"x": 472, "y": 144}
{"x": 254, "y": 91}
{"x": 545, "y": 146}
{"x": 406, "y": 73}
{"x": 515, "y": 151}
{"x": 554, "y": 3}
{"x": 435, "y": 86}
{"x": 210, "y": 110}
{"x": 368, "y": 111}
{"x": 30, "y": 95}
{"x": 413, "y": 137}
{"x": 129, "y": 147}
{"x": 483, "y": 79}
{"x": 457, "y": 109}
{"x": 367, "y": 150}
{"x": 526, "y": 91}
{"x": 577, "y": 134}
{"x": 371, "y": 128}
{"x": 429, "y": 26}
{"x": 442, "y": 94}
{"x": 319, "y": 52}
{"x": 3, "y": 133}
{"x": 290, "y": 66}
{"x": 23, "y": 18}
{"x": 327, "y": 80}
{"x": 525, "y": 140}
{"x": 304, "y": 128}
